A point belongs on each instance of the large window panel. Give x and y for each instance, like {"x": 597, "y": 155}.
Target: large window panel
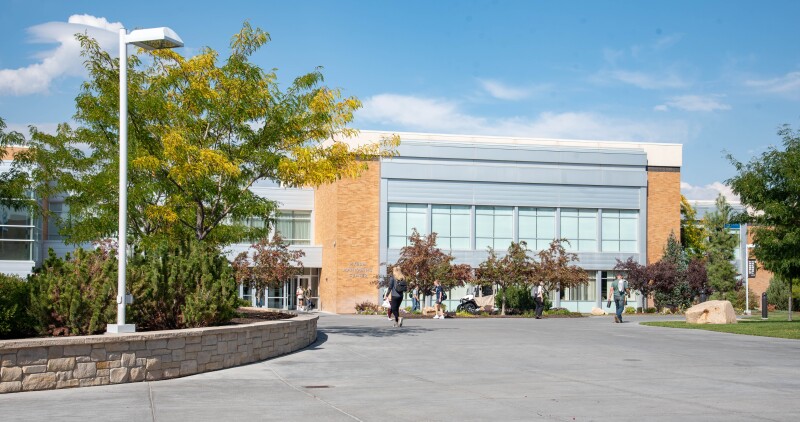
{"x": 579, "y": 226}
{"x": 620, "y": 228}
{"x": 537, "y": 227}
{"x": 403, "y": 219}
{"x": 16, "y": 234}
{"x": 494, "y": 227}
{"x": 451, "y": 223}
{"x": 294, "y": 227}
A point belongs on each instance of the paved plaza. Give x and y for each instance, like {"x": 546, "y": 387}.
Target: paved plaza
{"x": 362, "y": 369}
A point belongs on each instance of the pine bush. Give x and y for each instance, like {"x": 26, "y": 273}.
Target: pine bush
{"x": 182, "y": 285}
{"x": 75, "y": 295}
{"x": 14, "y": 301}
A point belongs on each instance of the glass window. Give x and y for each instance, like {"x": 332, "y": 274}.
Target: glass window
{"x": 16, "y": 234}
{"x": 294, "y": 227}
{"x": 579, "y": 226}
{"x": 452, "y": 225}
{"x": 586, "y": 292}
{"x": 619, "y": 230}
{"x": 493, "y": 227}
{"x": 403, "y": 219}
{"x": 537, "y": 226}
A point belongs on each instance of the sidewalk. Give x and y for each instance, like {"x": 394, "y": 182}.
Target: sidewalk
{"x": 361, "y": 368}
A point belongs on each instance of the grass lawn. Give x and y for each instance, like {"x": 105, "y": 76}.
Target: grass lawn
{"x": 775, "y": 326}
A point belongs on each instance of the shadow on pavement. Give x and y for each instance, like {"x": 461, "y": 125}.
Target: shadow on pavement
{"x": 371, "y": 331}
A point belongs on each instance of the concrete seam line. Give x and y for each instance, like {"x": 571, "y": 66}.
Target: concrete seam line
{"x": 152, "y": 405}
{"x": 283, "y": 380}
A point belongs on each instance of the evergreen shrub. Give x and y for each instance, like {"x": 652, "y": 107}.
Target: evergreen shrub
{"x": 74, "y": 295}
{"x": 182, "y": 285}
{"x": 14, "y": 302}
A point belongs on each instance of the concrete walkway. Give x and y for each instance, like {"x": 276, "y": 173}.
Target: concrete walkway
{"x": 490, "y": 369}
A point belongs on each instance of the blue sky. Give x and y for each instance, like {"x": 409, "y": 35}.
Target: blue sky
{"x": 711, "y": 75}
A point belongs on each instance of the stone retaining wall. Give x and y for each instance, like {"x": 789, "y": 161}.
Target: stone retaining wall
{"x": 65, "y": 362}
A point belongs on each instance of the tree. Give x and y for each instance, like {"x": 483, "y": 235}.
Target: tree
{"x": 201, "y": 133}
{"x": 12, "y": 181}
{"x": 693, "y": 233}
{"x": 556, "y": 269}
{"x": 271, "y": 264}
{"x": 515, "y": 268}
{"x": 697, "y": 279}
{"x": 637, "y": 275}
{"x": 720, "y": 246}
{"x": 675, "y": 291}
{"x": 422, "y": 262}
{"x": 768, "y": 186}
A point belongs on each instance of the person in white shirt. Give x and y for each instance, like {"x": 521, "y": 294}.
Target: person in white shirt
{"x": 538, "y": 299}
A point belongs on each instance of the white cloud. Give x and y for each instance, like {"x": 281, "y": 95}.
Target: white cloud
{"x": 410, "y": 113}
{"x": 708, "y": 192}
{"x": 788, "y": 84}
{"x": 643, "y": 80}
{"x": 45, "y": 127}
{"x": 694, "y": 103}
{"x": 64, "y": 60}
{"x": 502, "y": 91}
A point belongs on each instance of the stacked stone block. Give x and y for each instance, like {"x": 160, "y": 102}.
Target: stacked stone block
{"x": 65, "y": 362}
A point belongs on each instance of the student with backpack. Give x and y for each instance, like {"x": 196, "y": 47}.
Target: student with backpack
{"x": 619, "y": 291}
{"x": 394, "y": 294}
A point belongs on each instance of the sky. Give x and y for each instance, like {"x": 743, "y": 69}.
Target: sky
{"x": 718, "y": 77}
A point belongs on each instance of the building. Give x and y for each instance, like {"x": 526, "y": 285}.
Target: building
{"x": 612, "y": 200}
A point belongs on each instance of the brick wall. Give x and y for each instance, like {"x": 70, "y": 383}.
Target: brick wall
{"x": 349, "y": 216}
{"x": 65, "y": 362}
{"x": 663, "y": 211}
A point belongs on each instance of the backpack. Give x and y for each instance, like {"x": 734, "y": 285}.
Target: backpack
{"x": 400, "y": 286}
{"x": 444, "y": 295}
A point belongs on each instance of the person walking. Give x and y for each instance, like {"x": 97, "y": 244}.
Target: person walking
{"x": 415, "y": 299}
{"x": 538, "y": 299}
{"x": 299, "y": 294}
{"x": 438, "y": 294}
{"x": 619, "y": 292}
{"x": 395, "y": 296}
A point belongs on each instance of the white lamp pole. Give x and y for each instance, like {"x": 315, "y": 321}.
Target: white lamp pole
{"x": 150, "y": 39}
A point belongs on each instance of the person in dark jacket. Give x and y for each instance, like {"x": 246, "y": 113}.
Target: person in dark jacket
{"x": 394, "y": 297}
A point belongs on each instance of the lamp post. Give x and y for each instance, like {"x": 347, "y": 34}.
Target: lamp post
{"x": 149, "y": 39}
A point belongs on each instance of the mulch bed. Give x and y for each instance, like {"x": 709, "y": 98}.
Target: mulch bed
{"x": 251, "y": 315}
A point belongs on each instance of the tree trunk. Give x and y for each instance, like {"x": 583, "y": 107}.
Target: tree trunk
{"x": 503, "y": 303}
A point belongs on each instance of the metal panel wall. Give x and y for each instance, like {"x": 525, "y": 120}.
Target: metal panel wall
{"x": 513, "y": 194}
{"x": 287, "y": 198}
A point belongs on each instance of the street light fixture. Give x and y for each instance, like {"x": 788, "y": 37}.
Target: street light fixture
{"x": 149, "y": 39}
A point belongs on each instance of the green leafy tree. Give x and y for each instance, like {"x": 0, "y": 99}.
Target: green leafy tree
{"x": 769, "y": 186}
{"x": 202, "y": 131}
{"x": 514, "y": 269}
{"x": 693, "y": 233}
{"x": 270, "y": 264}
{"x": 721, "y": 245}
{"x": 13, "y": 181}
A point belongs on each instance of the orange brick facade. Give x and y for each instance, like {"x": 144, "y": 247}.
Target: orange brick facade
{"x": 347, "y": 226}
{"x": 760, "y": 282}
{"x": 663, "y": 210}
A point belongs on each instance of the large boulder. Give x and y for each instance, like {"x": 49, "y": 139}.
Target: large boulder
{"x": 711, "y": 312}
{"x": 597, "y": 311}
